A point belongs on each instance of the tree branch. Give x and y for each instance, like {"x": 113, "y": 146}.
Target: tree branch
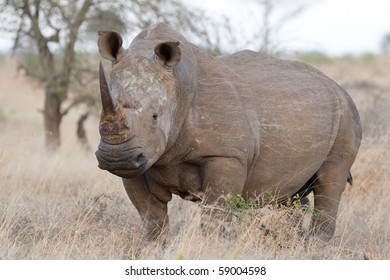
{"x": 17, "y": 37}
{"x": 74, "y": 27}
{"x": 45, "y": 54}
{"x": 73, "y": 104}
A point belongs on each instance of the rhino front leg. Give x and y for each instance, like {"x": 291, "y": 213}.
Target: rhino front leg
{"x": 152, "y": 209}
{"x": 221, "y": 176}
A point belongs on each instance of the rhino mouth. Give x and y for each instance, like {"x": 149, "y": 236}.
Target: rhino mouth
{"x": 128, "y": 173}
{"x": 126, "y": 169}
{"x": 121, "y": 160}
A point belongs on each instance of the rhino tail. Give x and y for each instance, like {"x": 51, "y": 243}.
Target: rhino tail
{"x": 350, "y": 179}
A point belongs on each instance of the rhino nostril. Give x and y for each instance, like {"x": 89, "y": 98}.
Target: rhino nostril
{"x": 141, "y": 159}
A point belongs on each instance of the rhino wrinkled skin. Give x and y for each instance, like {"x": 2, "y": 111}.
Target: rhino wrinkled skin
{"x": 178, "y": 121}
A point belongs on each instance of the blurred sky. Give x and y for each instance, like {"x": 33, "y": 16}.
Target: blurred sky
{"x": 336, "y": 27}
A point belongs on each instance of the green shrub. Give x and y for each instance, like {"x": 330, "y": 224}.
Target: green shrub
{"x": 237, "y": 204}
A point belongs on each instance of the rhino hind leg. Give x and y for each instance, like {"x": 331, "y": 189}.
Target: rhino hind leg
{"x": 334, "y": 173}
{"x": 327, "y": 185}
{"x": 327, "y": 194}
{"x": 308, "y": 188}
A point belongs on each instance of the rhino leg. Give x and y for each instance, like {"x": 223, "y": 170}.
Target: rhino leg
{"x": 334, "y": 173}
{"x": 221, "y": 176}
{"x": 330, "y": 182}
{"x": 327, "y": 191}
{"x": 152, "y": 209}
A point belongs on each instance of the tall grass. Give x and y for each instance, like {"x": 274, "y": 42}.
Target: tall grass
{"x": 61, "y": 206}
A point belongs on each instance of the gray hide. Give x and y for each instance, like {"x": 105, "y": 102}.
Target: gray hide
{"x": 178, "y": 121}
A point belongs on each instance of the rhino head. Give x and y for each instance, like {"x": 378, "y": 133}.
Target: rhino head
{"x": 138, "y": 104}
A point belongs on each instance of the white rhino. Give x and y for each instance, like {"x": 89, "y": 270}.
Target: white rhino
{"x": 178, "y": 121}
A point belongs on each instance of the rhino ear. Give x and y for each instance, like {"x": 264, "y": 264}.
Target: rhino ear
{"x": 110, "y": 45}
{"x": 168, "y": 53}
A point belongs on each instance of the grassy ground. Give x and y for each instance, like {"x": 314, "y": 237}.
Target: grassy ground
{"x": 61, "y": 206}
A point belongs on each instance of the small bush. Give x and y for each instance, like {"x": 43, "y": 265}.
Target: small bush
{"x": 237, "y": 204}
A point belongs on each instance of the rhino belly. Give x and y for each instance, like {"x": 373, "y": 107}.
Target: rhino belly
{"x": 281, "y": 177}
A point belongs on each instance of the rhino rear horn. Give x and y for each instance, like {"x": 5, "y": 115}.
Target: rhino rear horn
{"x": 110, "y": 45}
{"x": 105, "y": 93}
{"x": 168, "y": 53}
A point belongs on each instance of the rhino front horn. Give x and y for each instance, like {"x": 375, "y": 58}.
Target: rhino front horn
{"x": 105, "y": 93}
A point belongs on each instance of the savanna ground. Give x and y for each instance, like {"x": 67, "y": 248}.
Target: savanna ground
{"x": 61, "y": 206}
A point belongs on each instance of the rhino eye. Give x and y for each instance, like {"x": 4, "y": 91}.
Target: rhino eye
{"x": 155, "y": 118}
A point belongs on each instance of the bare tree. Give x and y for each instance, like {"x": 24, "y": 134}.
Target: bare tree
{"x": 275, "y": 14}
{"x": 259, "y": 28}
{"x": 50, "y": 30}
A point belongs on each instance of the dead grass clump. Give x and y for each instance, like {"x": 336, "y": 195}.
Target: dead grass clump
{"x": 265, "y": 233}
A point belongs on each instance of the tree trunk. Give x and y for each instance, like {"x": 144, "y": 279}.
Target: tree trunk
{"x": 81, "y": 133}
{"x": 52, "y": 119}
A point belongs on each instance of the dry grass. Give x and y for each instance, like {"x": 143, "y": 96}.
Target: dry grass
{"x": 62, "y": 206}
